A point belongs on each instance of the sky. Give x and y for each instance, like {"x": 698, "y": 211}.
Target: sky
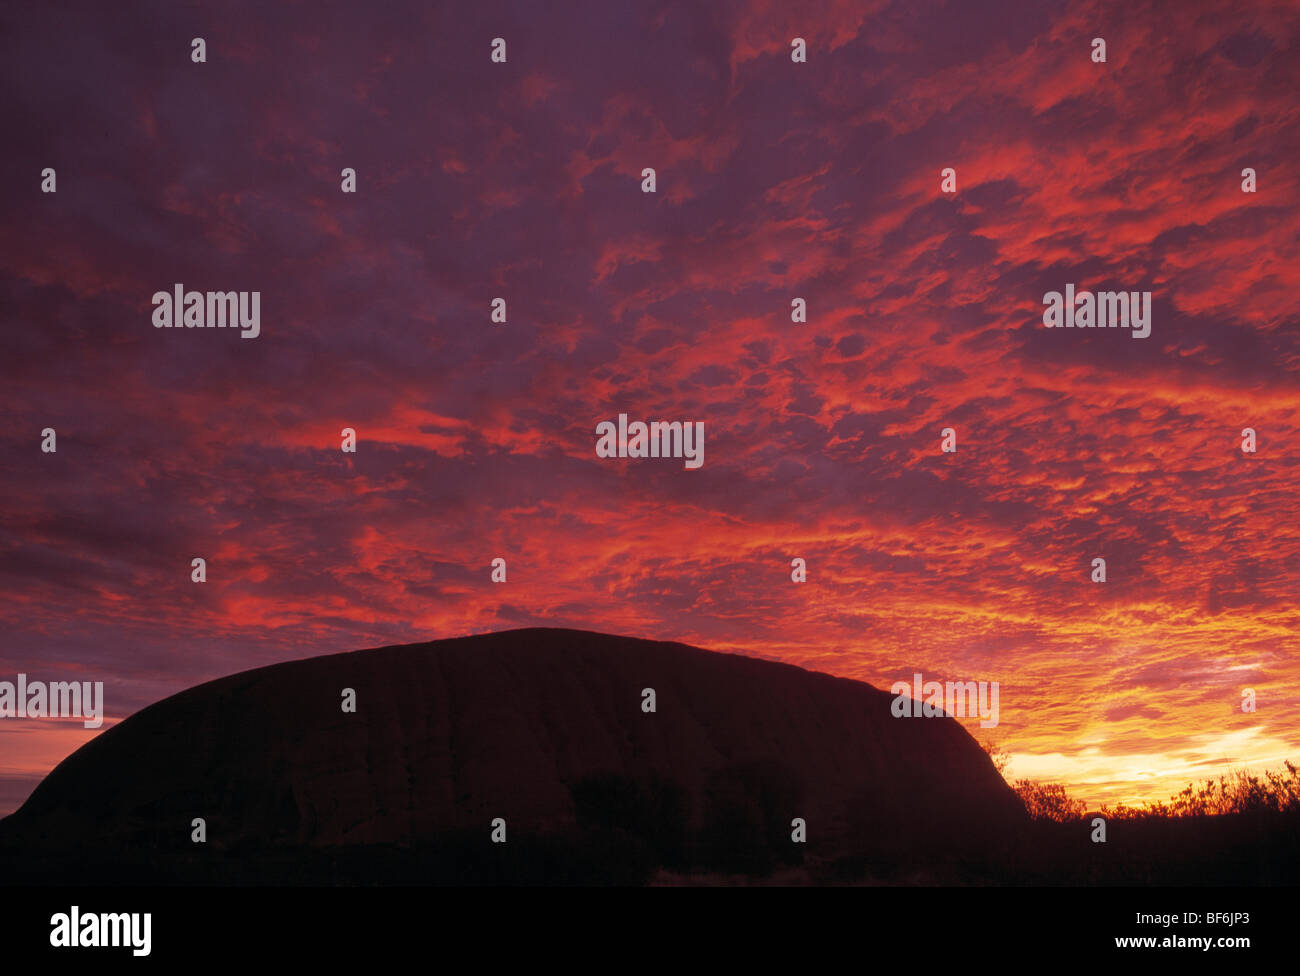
{"x": 774, "y": 180}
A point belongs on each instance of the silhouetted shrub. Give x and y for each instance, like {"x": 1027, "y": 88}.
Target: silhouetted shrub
{"x": 748, "y": 809}
{"x": 649, "y": 815}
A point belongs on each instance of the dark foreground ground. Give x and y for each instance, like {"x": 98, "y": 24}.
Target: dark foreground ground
{"x": 1238, "y": 850}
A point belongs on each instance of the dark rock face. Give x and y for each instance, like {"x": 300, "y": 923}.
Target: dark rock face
{"x": 541, "y": 727}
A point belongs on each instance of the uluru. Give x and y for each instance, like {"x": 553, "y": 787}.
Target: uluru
{"x": 536, "y": 755}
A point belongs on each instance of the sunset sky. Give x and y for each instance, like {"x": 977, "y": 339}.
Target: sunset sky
{"x": 775, "y": 180}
